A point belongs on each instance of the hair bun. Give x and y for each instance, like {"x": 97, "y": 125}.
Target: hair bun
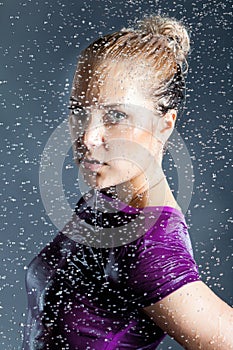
{"x": 171, "y": 28}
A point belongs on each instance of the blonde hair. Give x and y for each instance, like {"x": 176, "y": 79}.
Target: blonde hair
{"x": 162, "y": 42}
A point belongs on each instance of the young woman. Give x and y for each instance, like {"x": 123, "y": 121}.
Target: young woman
{"x": 121, "y": 274}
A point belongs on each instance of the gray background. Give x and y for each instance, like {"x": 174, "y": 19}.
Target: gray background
{"x": 40, "y": 43}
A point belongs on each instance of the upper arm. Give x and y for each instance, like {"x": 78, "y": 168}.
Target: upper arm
{"x": 195, "y": 317}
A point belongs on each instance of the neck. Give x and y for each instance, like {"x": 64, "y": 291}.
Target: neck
{"x": 137, "y": 191}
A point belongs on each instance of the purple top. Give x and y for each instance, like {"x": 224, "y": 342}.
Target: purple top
{"x": 83, "y": 296}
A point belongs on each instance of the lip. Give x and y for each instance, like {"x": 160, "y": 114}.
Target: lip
{"x": 92, "y": 164}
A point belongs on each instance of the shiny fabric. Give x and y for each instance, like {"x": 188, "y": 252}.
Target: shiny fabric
{"x": 85, "y": 297}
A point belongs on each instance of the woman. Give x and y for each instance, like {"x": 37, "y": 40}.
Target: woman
{"x": 121, "y": 274}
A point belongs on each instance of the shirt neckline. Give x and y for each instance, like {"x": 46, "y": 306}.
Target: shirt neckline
{"x": 131, "y": 210}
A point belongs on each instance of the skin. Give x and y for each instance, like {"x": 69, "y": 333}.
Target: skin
{"x": 193, "y": 315}
{"x": 118, "y": 145}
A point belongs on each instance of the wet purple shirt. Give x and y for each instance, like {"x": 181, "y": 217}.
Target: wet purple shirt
{"x": 86, "y": 297}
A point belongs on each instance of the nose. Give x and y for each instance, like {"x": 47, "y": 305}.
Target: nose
{"x": 94, "y": 135}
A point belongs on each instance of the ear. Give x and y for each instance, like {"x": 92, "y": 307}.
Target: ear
{"x": 165, "y": 126}
{"x": 168, "y": 121}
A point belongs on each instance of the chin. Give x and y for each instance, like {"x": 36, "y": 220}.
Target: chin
{"x": 99, "y": 181}
{"x": 109, "y": 176}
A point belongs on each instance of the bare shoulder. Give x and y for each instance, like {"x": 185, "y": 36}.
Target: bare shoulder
{"x": 196, "y": 317}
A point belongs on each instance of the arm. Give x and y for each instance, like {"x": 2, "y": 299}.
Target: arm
{"x": 195, "y": 317}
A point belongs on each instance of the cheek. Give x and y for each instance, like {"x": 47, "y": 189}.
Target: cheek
{"x": 134, "y": 148}
{"x": 122, "y": 170}
{"x": 128, "y": 133}
{"x": 144, "y": 138}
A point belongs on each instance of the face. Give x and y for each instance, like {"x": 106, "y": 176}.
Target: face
{"x": 112, "y": 122}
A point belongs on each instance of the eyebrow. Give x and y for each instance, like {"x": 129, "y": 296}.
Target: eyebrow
{"x": 73, "y": 99}
{"x": 111, "y": 105}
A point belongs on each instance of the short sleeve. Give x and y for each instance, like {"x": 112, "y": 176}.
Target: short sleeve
{"x": 163, "y": 262}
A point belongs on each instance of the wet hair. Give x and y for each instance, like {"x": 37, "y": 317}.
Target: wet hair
{"x": 160, "y": 42}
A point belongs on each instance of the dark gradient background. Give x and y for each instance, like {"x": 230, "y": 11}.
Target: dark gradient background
{"x": 40, "y": 43}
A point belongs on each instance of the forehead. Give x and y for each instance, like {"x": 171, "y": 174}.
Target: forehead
{"x": 113, "y": 82}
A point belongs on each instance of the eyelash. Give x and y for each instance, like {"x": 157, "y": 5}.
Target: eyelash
{"x": 76, "y": 111}
{"x": 115, "y": 112}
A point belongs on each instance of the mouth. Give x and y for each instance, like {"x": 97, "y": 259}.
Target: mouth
{"x": 92, "y": 164}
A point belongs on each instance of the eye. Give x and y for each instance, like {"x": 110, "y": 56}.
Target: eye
{"x": 77, "y": 111}
{"x": 114, "y": 116}
{"x": 79, "y": 118}
{"x": 80, "y": 114}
